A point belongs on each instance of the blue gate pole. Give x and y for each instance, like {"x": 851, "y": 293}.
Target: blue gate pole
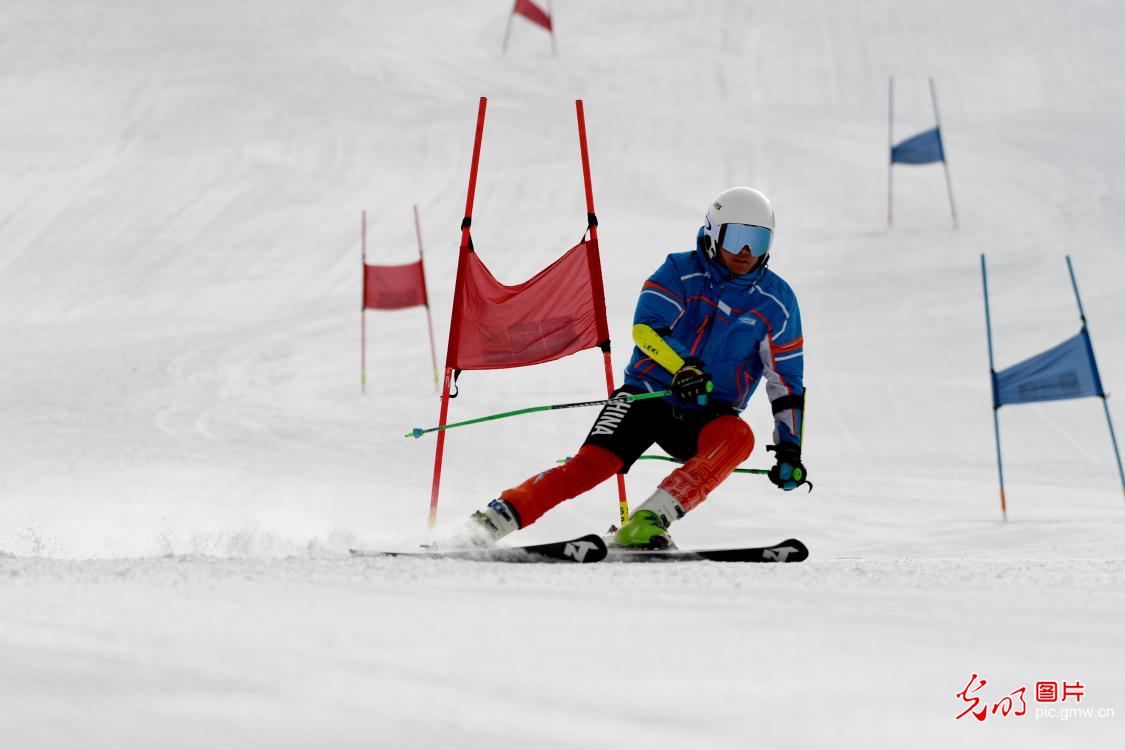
{"x": 944, "y": 160}
{"x": 1097, "y": 376}
{"x": 1113, "y": 438}
{"x": 890, "y": 152}
{"x": 992, "y": 376}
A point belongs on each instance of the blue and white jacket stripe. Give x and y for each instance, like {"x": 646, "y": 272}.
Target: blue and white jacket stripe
{"x": 743, "y": 328}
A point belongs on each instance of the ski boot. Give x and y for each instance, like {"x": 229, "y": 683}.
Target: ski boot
{"x": 647, "y": 527}
{"x": 486, "y": 527}
{"x": 643, "y": 530}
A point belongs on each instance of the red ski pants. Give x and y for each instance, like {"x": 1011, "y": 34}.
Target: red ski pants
{"x": 592, "y": 466}
{"x": 723, "y": 444}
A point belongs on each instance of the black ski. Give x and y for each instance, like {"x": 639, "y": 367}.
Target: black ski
{"x": 791, "y": 550}
{"x": 584, "y": 549}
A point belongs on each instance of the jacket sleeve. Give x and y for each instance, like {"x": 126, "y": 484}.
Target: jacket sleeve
{"x": 661, "y": 305}
{"x": 783, "y": 360}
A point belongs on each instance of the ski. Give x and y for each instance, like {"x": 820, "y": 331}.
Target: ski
{"x": 584, "y": 549}
{"x": 791, "y": 550}
{"x": 592, "y": 548}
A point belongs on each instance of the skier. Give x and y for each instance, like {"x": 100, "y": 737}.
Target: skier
{"x": 709, "y": 324}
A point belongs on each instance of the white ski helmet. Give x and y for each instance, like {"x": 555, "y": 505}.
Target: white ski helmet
{"x": 739, "y": 217}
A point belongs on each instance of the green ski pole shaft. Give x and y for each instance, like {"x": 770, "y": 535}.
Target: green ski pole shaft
{"x": 418, "y": 432}
{"x": 677, "y": 461}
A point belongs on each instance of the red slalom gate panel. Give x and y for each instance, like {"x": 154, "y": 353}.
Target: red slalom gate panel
{"x": 393, "y": 287}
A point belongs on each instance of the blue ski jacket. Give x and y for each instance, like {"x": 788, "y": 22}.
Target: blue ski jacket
{"x": 743, "y": 328}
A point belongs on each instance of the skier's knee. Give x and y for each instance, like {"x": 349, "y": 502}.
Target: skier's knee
{"x": 730, "y": 432}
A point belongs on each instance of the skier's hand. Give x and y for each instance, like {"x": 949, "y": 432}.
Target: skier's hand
{"x": 692, "y": 382}
{"x": 788, "y": 473}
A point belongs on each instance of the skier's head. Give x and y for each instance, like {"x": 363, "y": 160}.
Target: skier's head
{"x": 739, "y": 230}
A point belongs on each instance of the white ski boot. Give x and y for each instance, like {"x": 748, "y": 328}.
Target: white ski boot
{"x": 486, "y": 527}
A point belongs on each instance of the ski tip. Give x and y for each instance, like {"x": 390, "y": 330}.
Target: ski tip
{"x": 798, "y": 552}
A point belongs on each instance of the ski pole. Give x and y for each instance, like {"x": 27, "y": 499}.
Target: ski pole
{"x": 678, "y": 461}
{"x": 418, "y": 432}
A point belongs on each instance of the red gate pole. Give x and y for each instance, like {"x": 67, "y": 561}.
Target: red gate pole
{"x": 551, "y": 16}
{"x": 363, "y": 305}
{"x": 508, "y": 31}
{"x": 451, "y": 350}
{"x": 599, "y": 290}
{"x": 426, "y": 294}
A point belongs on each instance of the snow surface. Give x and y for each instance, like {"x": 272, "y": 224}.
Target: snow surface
{"x": 185, "y": 455}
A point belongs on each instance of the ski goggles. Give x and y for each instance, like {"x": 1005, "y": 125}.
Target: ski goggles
{"x": 734, "y": 237}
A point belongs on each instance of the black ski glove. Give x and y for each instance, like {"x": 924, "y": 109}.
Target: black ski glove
{"x": 692, "y": 382}
{"x": 789, "y": 473}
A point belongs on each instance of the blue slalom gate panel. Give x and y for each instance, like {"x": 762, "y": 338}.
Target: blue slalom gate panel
{"x": 1062, "y": 372}
{"x": 924, "y": 148}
